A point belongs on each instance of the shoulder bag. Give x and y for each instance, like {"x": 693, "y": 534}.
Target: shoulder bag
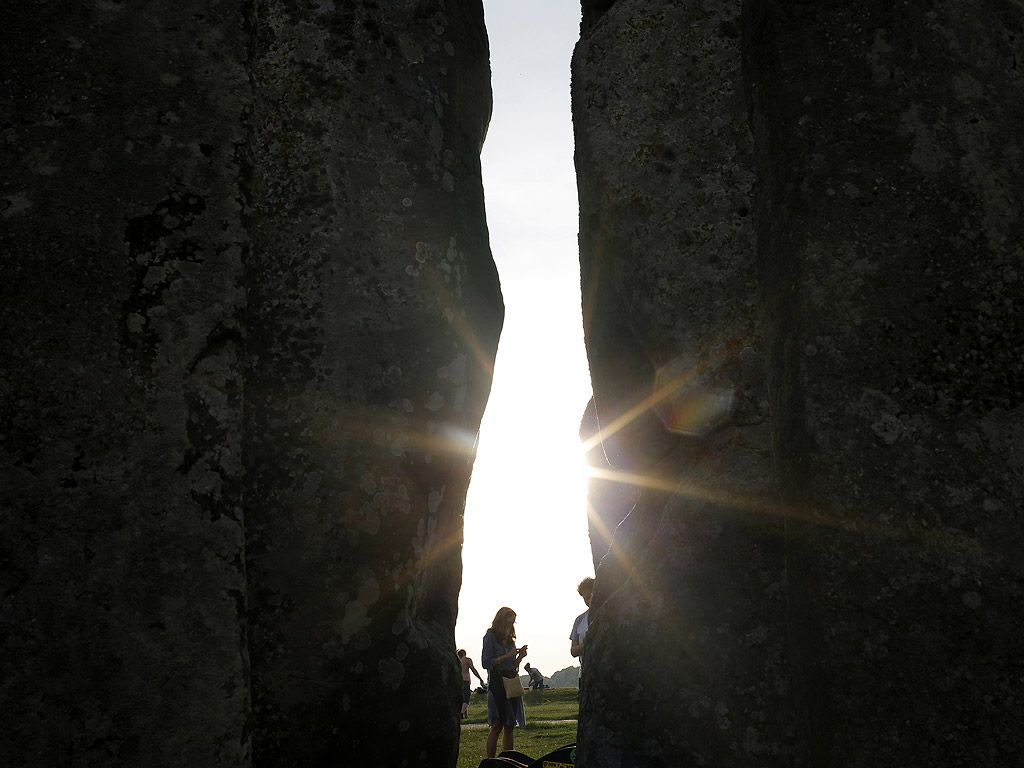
{"x": 513, "y": 686}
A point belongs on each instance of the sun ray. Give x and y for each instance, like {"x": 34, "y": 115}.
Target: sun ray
{"x": 660, "y": 393}
{"x": 816, "y": 516}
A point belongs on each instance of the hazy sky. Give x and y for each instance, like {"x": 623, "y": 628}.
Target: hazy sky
{"x": 528, "y": 483}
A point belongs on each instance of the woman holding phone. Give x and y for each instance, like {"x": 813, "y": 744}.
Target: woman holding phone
{"x": 500, "y": 657}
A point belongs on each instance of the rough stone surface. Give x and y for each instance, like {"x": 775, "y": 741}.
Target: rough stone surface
{"x": 373, "y": 316}
{"x": 890, "y": 238}
{"x": 121, "y": 541}
{"x": 692, "y": 585}
{"x": 249, "y": 316}
{"x": 869, "y": 618}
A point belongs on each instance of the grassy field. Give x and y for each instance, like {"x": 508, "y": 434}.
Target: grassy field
{"x": 542, "y": 733}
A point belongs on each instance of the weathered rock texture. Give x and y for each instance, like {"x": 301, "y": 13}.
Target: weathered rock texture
{"x": 890, "y": 237}
{"x": 373, "y": 315}
{"x": 123, "y": 608}
{"x": 690, "y": 592}
{"x": 869, "y": 618}
{"x": 249, "y": 314}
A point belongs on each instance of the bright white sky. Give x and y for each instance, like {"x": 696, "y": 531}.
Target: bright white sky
{"x": 528, "y": 487}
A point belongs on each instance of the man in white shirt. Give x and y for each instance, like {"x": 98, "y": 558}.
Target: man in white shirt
{"x": 579, "y": 627}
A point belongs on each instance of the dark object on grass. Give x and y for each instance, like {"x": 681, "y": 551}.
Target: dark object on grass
{"x": 563, "y": 757}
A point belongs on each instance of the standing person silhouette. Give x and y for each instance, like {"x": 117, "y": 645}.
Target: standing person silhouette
{"x": 467, "y": 667}
{"x": 579, "y": 627}
{"x": 501, "y": 658}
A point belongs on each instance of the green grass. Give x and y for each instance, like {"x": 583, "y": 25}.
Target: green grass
{"x": 540, "y": 735}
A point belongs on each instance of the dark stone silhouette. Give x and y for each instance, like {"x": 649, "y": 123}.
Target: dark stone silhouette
{"x": 122, "y": 315}
{"x": 890, "y": 225}
{"x": 692, "y": 583}
{"x": 249, "y": 315}
{"x": 851, "y": 602}
{"x": 373, "y": 315}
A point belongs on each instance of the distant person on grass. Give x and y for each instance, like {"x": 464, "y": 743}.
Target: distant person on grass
{"x": 579, "y": 627}
{"x": 467, "y": 667}
{"x": 501, "y": 658}
{"x": 536, "y": 678}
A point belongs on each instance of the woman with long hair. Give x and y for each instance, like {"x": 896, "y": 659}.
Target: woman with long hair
{"x": 501, "y": 658}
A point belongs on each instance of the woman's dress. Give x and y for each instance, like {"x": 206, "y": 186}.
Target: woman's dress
{"x": 500, "y": 709}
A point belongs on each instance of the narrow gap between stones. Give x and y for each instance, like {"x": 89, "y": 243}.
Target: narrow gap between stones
{"x": 528, "y": 490}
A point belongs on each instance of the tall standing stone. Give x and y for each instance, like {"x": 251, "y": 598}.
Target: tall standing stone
{"x": 121, "y": 299}
{"x": 889, "y": 230}
{"x": 890, "y": 236}
{"x": 684, "y": 664}
{"x": 373, "y": 315}
{"x": 250, "y": 316}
